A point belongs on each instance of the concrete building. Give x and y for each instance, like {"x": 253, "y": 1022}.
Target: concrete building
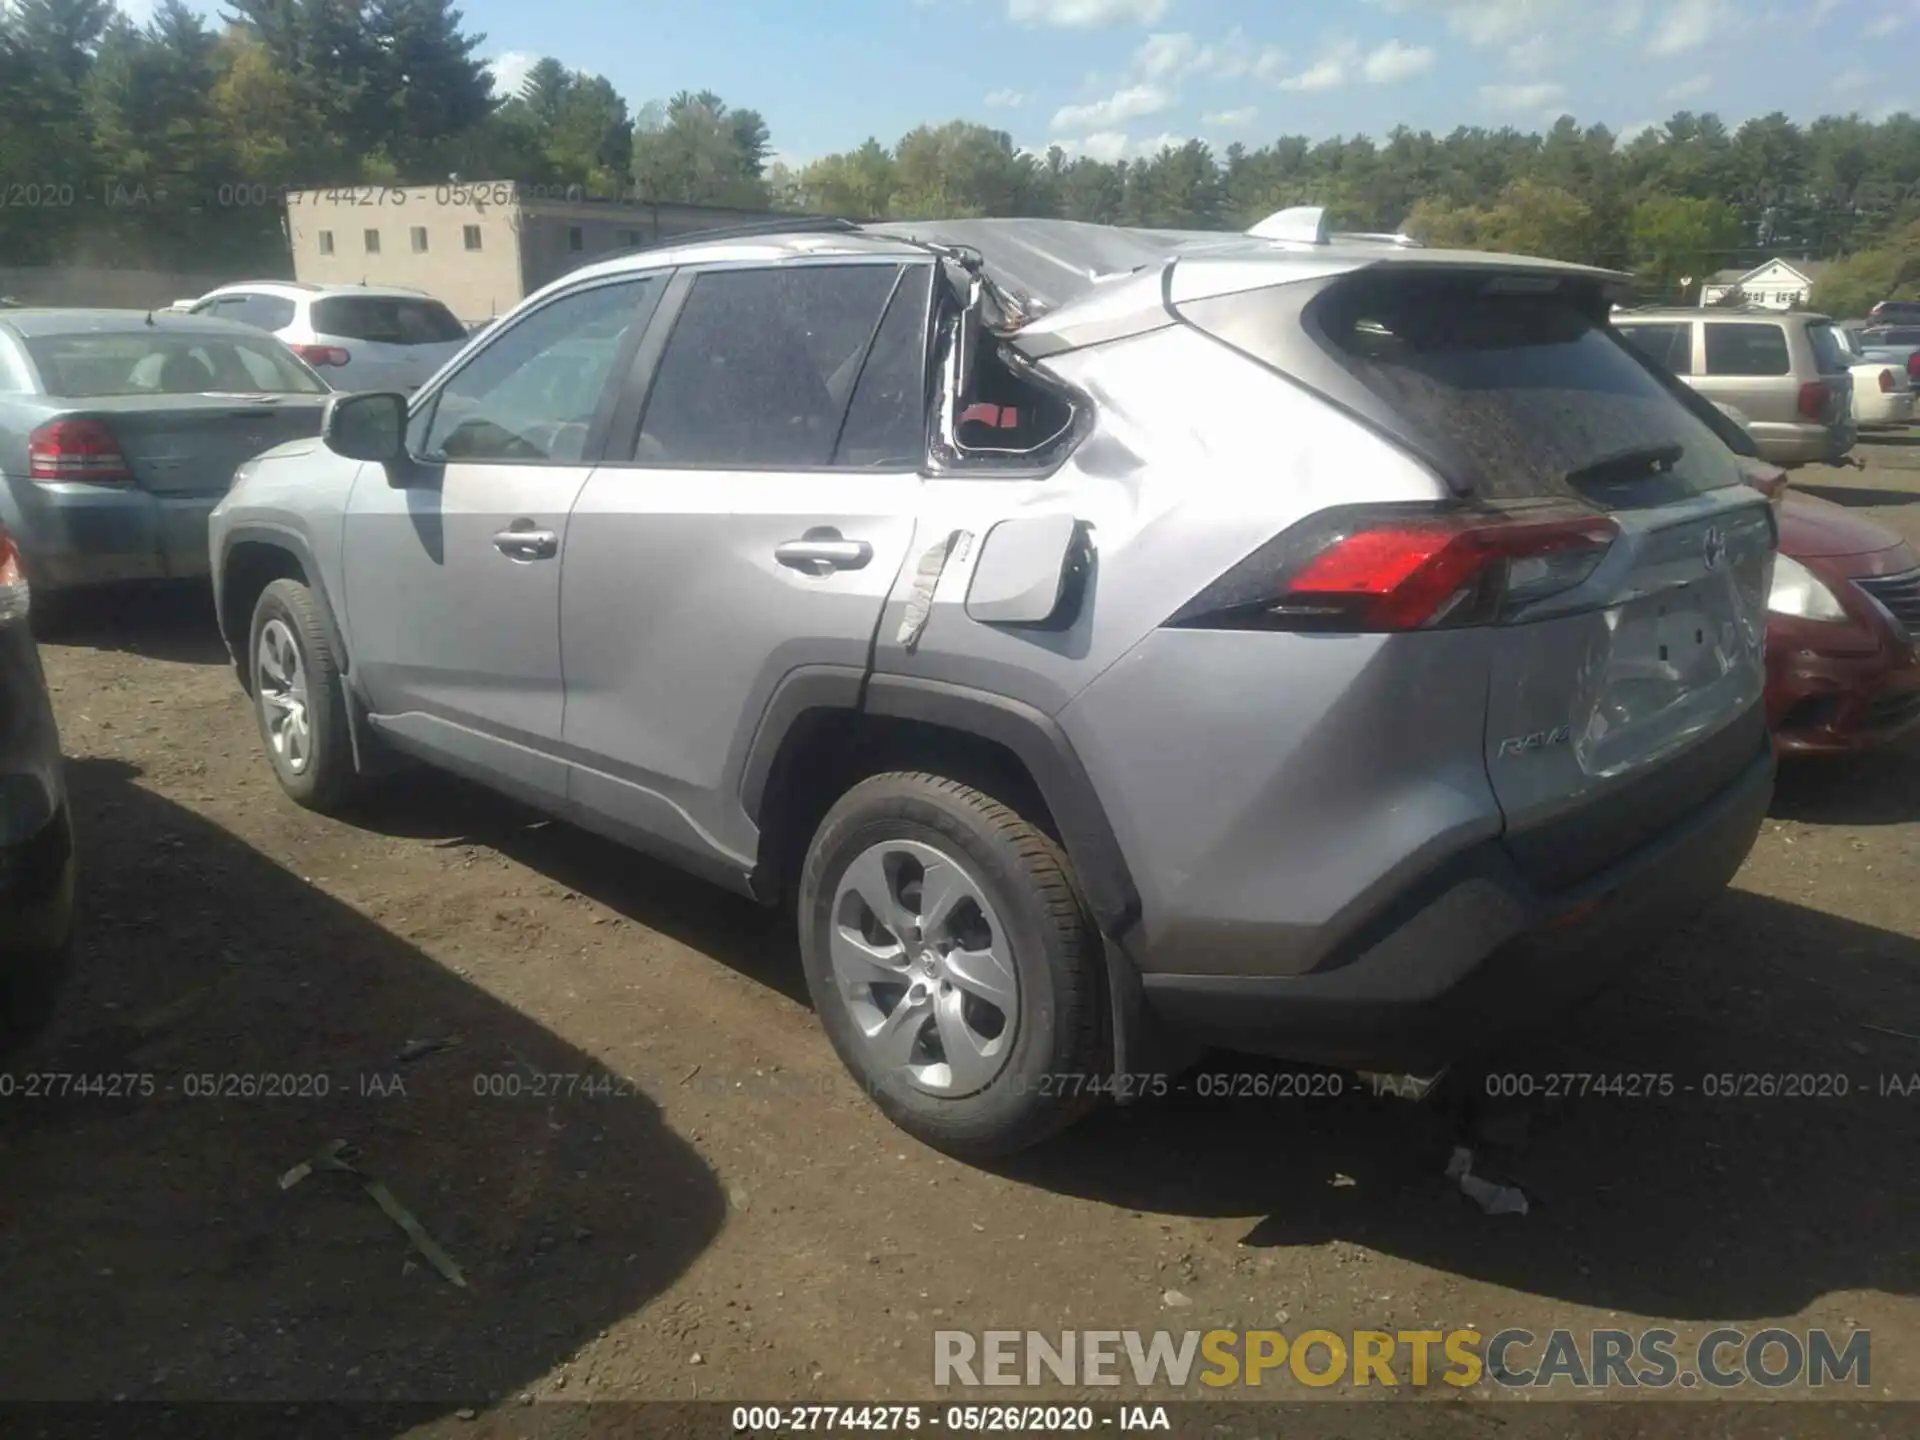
{"x": 478, "y": 246}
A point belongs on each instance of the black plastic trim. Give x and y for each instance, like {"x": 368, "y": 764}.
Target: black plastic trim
{"x": 811, "y": 687}
{"x": 284, "y": 538}
{"x": 1044, "y": 749}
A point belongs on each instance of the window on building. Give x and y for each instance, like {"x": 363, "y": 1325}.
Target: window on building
{"x": 373, "y": 242}
{"x": 326, "y": 242}
{"x": 419, "y": 236}
{"x": 470, "y": 236}
{"x": 576, "y": 238}
{"x": 630, "y": 237}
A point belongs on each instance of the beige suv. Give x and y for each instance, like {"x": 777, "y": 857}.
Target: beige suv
{"x": 1786, "y": 373}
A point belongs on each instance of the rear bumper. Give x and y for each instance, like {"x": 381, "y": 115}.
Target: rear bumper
{"x": 1875, "y": 407}
{"x": 1484, "y": 955}
{"x": 74, "y": 536}
{"x": 1781, "y": 444}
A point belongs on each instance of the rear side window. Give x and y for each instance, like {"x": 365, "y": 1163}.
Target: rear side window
{"x": 386, "y": 320}
{"x": 1829, "y": 350}
{"x": 1527, "y": 395}
{"x": 1757, "y": 349}
{"x": 1669, "y": 346}
{"x": 1897, "y": 335}
{"x": 762, "y": 364}
{"x": 886, "y": 423}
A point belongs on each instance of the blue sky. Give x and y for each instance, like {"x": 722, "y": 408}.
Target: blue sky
{"x": 1119, "y": 77}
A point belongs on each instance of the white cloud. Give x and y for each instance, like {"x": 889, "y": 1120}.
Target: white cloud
{"x": 1329, "y": 72}
{"x": 1629, "y": 133}
{"x": 1085, "y": 14}
{"x": 1536, "y": 96}
{"x": 1821, "y": 9}
{"x": 1106, "y": 146}
{"x": 1853, "y": 80}
{"x": 1163, "y": 56}
{"x": 510, "y": 70}
{"x": 1153, "y": 145}
{"x": 1686, "y": 25}
{"x": 1006, "y": 99}
{"x": 1494, "y": 22}
{"x": 1394, "y": 62}
{"x": 1231, "y": 119}
{"x": 1536, "y": 52}
{"x": 1173, "y": 56}
{"x": 1886, "y": 25}
{"x": 1690, "y": 89}
{"x": 1119, "y": 107}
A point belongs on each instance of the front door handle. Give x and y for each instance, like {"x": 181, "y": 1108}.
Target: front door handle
{"x": 527, "y": 544}
{"x": 817, "y": 553}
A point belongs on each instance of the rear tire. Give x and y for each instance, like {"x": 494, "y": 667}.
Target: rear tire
{"x": 952, "y": 962}
{"x": 299, "y": 698}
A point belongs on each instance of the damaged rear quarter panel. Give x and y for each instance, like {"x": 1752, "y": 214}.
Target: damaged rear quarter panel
{"x": 1195, "y": 457}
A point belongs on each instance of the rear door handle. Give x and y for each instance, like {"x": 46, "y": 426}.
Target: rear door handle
{"x": 527, "y": 544}
{"x": 819, "y": 554}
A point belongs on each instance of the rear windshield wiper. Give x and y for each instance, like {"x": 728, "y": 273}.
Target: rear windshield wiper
{"x": 1626, "y": 466}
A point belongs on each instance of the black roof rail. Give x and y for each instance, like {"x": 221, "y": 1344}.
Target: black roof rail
{"x": 798, "y": 225}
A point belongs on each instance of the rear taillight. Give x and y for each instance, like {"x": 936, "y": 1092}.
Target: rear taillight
{"x": 13, "y": 582}
{"x": 1887, "y": 383}
{"x": 1913, "y": 367}
{"x": 1815, "y": 396}
{"x": 320, "y": 356}
{"x": 76, "y": 450}
{"x": 1392, "y": 567}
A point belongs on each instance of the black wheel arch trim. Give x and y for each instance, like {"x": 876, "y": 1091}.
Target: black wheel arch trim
{"x": 294, "y": 543}
{"x": 1042, "y": 746}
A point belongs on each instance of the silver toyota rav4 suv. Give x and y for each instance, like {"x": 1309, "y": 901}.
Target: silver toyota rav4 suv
{"x": 1108, "y": 642}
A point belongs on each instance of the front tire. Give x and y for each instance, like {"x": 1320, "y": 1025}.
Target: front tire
{"x": 952, "y": 962}
{"x": 299, "y": 698}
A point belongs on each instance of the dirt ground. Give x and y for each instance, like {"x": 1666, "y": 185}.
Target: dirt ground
{"x": 712, "y": 1210}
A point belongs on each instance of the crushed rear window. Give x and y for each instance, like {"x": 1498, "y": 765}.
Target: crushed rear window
{"x": 387, "y": 320}
{"x": 1533, "y": 395}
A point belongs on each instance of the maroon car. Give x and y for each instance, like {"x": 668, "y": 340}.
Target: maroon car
{"x": 1843, "y": 673}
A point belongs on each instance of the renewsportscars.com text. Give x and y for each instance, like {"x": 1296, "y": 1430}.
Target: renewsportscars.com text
{"x": 1653, "y": 1359}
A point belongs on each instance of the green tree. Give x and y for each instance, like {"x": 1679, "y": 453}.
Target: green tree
{"x": 1677, "y": 239}
{"x": 695, "y": 150}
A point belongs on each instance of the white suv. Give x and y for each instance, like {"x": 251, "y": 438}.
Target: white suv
{"x": 359, "y": 337}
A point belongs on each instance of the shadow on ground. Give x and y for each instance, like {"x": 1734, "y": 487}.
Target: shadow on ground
{"x": 148, "y": 1247}
{"x": 1878, "y": 788}
{"x": 1687, "y": 1204}
{"x": 756, "y": 941}
{"x": 1693, "y": 1206}
{"x": 160, "y": 621}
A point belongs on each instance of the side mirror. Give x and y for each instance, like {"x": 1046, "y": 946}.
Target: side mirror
{"x": 370, "y": 427}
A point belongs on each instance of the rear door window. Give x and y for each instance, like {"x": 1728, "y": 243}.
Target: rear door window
{"x": 1747, "y": 349}
{"x": 387, "y": 320}
{"x": 761, "y": 366}
{"x": 1667, "y": 345}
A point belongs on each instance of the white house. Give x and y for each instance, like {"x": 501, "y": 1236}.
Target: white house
{"x": 1778, "y": 284}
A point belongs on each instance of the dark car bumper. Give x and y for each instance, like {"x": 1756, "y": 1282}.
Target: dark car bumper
{"x": 1840, "y": 687}
{"x": 1507, "y": 955}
